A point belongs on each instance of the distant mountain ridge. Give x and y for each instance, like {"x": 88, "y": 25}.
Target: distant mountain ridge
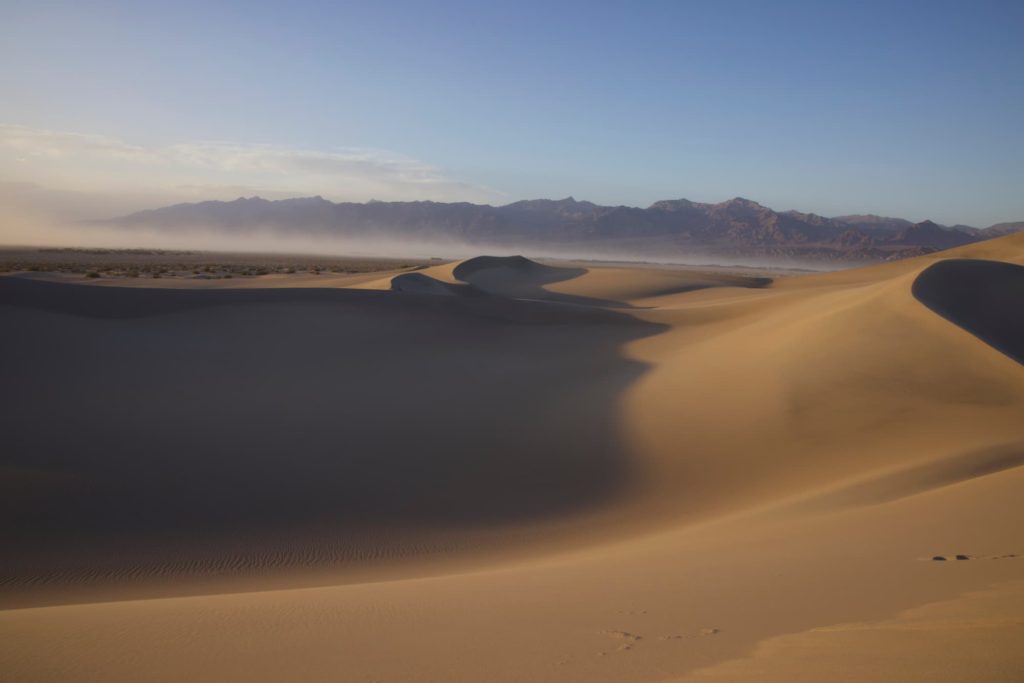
{"x": 738, "y": 227}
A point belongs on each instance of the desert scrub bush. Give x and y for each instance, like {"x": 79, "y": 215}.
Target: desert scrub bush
{"x": 92, "y": 274}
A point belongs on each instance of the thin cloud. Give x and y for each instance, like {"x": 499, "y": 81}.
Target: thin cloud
{"x": 37, "y": 142}
{"x": 95, "y": 162}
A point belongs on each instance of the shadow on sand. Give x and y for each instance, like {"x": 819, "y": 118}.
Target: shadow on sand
{"x": 521, "y": 278}
{"x": 986, "y": 298}
{"x": 234, "y": 419}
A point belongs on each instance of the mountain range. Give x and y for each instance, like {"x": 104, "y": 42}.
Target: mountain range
{"x": 669, "y": 229}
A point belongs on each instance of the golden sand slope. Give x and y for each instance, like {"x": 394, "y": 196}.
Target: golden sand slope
{"x": 720, "y": 468}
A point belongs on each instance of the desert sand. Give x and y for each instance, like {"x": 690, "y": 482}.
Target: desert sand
{"x": 505, "y": 470}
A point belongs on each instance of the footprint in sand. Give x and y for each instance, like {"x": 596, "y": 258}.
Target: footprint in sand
{"x": 699, "y": 634}
{"x": 946, "y": 558}
{"x": 627, "y": 639}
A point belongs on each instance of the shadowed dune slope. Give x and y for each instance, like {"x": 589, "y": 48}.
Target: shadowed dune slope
{"x": 176, "y": 418}
{"x": 520, "y": 278}
{"x": 420, "y": 283}
{"x": 523, "y": 268}
{"x": 986, "y": 298}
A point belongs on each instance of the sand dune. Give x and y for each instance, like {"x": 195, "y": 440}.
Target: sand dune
{"x": 499, "y": 469}
{"x": 572, "y": 283}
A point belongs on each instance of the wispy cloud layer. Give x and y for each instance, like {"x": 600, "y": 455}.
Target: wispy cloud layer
{"x": 48, "y": 144}
{"x": 210, "y": 170}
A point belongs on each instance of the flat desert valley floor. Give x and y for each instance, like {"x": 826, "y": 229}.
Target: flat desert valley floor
{"x": 505, "y": 470}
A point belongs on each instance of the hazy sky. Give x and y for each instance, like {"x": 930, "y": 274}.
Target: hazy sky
{"x": 912, "y": 109}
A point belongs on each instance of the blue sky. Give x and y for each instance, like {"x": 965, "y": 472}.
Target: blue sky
{"x": 901, "y": 108}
